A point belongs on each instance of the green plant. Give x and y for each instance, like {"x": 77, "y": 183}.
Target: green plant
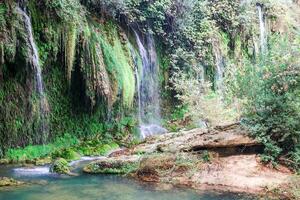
{"x": 206, "y": 157}
{"x": 39, "y": 151}
{"x": 270, "y": 95}
{"x": 67, "y": 153}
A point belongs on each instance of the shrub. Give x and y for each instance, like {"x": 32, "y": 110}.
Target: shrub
{"x": 270, "y": 94}
{"x": 202, "y": 102}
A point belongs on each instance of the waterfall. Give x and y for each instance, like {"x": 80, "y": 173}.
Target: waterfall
{"x": 148, "y": 88}
{"x": 219, "y": 62}
{"x": 34, "y": 61}
{"x": 263, "y": 36}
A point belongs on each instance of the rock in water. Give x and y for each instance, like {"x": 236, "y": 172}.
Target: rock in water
{"x": 6, "y": 182}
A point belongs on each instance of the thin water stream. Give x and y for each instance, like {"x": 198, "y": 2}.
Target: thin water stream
{"x": 35, "y": 62}
{"x": 262, "y": 28}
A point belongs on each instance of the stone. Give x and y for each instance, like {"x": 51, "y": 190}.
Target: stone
{"x": 6, "y": 182}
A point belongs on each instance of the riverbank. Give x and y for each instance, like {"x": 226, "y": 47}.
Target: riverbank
{"x": 222, "y": 159}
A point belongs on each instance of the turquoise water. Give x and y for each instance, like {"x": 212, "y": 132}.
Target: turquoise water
{"x": 101, "y": 187}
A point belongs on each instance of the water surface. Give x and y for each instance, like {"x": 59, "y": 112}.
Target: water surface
{"x": 101, "y": 187}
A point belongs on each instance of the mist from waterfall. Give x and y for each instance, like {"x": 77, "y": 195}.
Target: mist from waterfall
{"x": 148, "y": 88}
{"x": 262, "y": 28}
{"x": 34, "y": 61}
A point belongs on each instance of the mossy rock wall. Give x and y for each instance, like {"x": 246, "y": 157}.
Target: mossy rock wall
{"x": 87, "y": 71}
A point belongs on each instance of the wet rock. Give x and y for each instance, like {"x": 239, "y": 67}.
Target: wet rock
{"x": 116, "y": 165}
{"x": 6, "y": 182}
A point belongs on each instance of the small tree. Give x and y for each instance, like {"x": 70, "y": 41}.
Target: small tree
{"x": 270, "y": 92}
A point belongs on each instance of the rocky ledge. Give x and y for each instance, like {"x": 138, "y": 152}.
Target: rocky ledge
{"x": 224, "y": 158}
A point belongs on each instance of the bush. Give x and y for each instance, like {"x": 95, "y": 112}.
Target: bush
{"x": 270, "y": 94}
{"x": 39, "y": 151}
{"x": 202, "y": 102}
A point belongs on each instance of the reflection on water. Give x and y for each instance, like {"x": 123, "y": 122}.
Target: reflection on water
{"x": 89, "y": 187}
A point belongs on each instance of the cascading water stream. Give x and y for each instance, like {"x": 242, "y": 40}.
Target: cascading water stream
{"x": 219, "y": 61}
{"x": 148, "y": 89}
{"x": 34, "y": 59}
{"x": 263, "y": 35}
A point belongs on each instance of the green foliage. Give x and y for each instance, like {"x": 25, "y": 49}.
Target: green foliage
{"x": 39, "y": 151}
{"x": 28, "y": 153}
{"x": 68, "y": 11}
{"x": 206, "y": 157}
{"x": 67, "y": 153}
{"x": 95, "y": 147}
{"x": 269, "y": 92}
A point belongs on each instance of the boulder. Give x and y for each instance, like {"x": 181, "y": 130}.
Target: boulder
{"x": 6, "y": 182}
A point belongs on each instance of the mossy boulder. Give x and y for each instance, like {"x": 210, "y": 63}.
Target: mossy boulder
{"x": 114, "y": 165}
{"x": 60, "y": 166}
{"x": 6, "y": 182}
